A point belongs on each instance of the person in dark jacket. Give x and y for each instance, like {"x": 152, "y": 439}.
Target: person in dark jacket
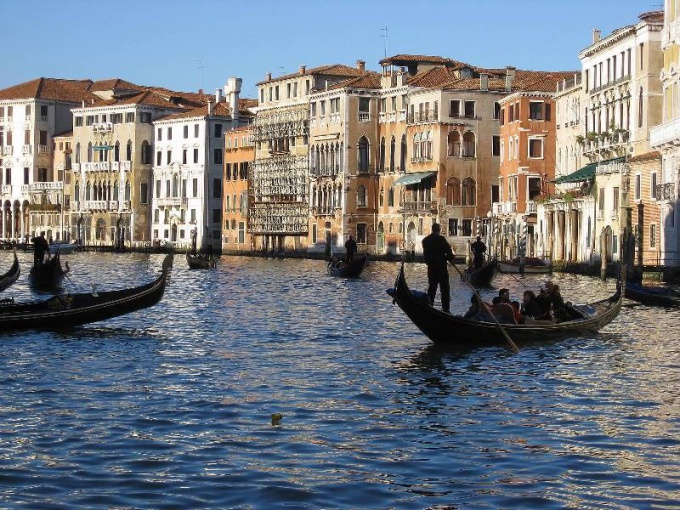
{"x": 40, "y": 247}
{"x": 351, "y": 247}
{"x": 437, "y": 252}
{"x": 478, "y": 248}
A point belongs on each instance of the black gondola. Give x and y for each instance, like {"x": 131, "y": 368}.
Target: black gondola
{"x": 456, "y": 332}
{"x": 12, "y": 275}
{"x": 200, "y": 261}
{"x": 483, "y": 276}
{"x": 65, "y": 311}
{"x": 654, "y": 296}
{"x": 48, "y": 275}
{"x": 347, "y": 270}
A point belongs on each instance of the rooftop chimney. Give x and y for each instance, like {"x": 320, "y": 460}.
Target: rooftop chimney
{"x": 303, "y": 69}
{"x": 268, "y": 76}
{"x": 218, "y": 96}
{"x": 232, "y": 90}
{"x": 597, "y": 35}
{"x": 210, "y": 109}
{"x": 509, "y": 77}
{"x": 483, "y": 81}
{"x": 361, "y": 65}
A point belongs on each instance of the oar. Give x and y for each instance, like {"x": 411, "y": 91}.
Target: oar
{"x": 518, "y": 280}
{"x": 505, "y": 333}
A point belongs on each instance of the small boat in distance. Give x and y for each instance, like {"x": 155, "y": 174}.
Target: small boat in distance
{"x": 65, "y": 311}
{"x": 653, "y": 296}
{"x": 532, "y": 265}
{"x": 62, "y": 248}
{"x": 482, "y": 277}
{"x": 456, "y": 332}
{"x": 200, "y": 261}
{"x": 48, "y": 275}
{"x": 347, "y": 270}
{"x": 12, "y": 275}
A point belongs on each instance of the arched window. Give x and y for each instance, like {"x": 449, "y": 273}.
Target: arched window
{"x": 393, "y": 148}
{"x": 146, "y": 153}
{"x": 416, "y": 145}
{"x": 175, "y": 186}
{"x": 390, "y": 197}
{"x": 428, "y": 145}
{"x": 361, "y": 196}
{"x": 127, "y": 190}
{"x": 78, "y": 152}
{"x": 640, "y": 109}
{"x": 453, "y": 143}
{"x": 116, "y": 152}
{"x": 89, "y": 152}
{"x": 363, "y": 154}
{"x": 402, "y": 160}
{"x": 469, "y": 190}
{"x": 144, "y": 192}
{"x": 88, "y": 191}
{"x": 453, "y": 191}
{"x": 469, "y": 145}
{"x": 166, "y": 216}
{"x": 76, "y": 193}
{"x": 115, "y": 190}
{"x": 381, "y": 198}
{"x": 128, "y": 152}
{"x": 381, "y": 163}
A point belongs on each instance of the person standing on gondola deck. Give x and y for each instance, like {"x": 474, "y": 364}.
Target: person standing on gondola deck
{"x": 40, "y": 247}
{"x": 478, "y": 249}
{"x": 437, "y": 252}
{"x": 351, "y": 247}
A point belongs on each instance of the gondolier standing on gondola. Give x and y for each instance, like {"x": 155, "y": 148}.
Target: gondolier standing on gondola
{"x": 437, "y": 252}
{"x": 478, "y": 249}
{"x": 351, "y": 248}
{"x": 40, "y": 247}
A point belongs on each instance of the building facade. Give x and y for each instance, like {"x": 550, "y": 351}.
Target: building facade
{"x": 239, "y": 154}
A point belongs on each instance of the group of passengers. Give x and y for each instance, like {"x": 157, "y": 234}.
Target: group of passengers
{"x": 548, "y": 305}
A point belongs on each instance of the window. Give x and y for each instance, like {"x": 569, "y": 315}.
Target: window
{"x": 364, "y": 109}
{"x": 184, "y": 156}
{"x": 159, "y": 134}
{"x": 361, "y": 196}
{"x": 496, "y": 146}
{"x": 195, "y": 187}
{"x": 453, "y": 191}
{"x": 217, "y": 156}
{"x": 469, "y": 109}
{"x": 453, "y": 226}
{"x": 169, "y": 133}
{"x": 145, "y": 117}
{"x": 637, "y": 187}
{"x": 217, "y": 215}
{"x": 469, "y": 190}
{"x": 186, "y": 132}
{"x": 195, "y": 155}
{"x": 363, "y": 154}
{"x": 242, "y": 224}
{"x": 169, "y": 157}
{"x": 469, "y": 147}
{"x": 390, "y": 197}
{"x": 601, "y": 200}
{"x": 653, "y": 185}
{"x": 467, "y": 228}
{"x": 217, "y": 188}
{"x": 159, "y": 158}
{"x": 454, "y": 110}
{"x": 652, "y": 235}
{"x": 361, "y": 233}
{"x": 129, "y": 116}
{"x": 615, "y": 201}
{"x": 536, "y": 110}
{"x": 78, "y": 121}
{"x": 534, "y": 185}
{"x": 196, "y": 130}
{"x": 144, "y": 192}
{"x": 217, "y": 131}
{"x": 535, "y": 147}
{"x": 496, "y": 111}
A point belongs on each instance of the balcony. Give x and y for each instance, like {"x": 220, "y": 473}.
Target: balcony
{"x": 364, "y": 117}
{"x": 99, "y": 166}
{"x": 665, "y": 191}
{"x": 423, "y": 117}
{"x": 44, "y": 186}
{"x": 172, "y": 202}
{"x": 7, "y": 151}
{"x": 665, "y": 135}
{"x": 324, "y": 172}
{"x": 44, "y": 149}
{"x": 418, "y": 207}
{"x": 6, "y": 189}
{"x": 27, "y": 149}
{"x": 504, "y": 208}
{"x": 102, "y": 127}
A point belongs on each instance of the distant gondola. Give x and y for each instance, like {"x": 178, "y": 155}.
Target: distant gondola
{"x": 47, "y": 275}
{"x": 200, "y": 261}
{"x": 65, "y": 311}
{"x": 456, "y": 332}
{"x": 347, "y": 270}
{"x": 483, "y": 276}
{"x": 653, "y": 296}
{"x": 532, "y": 265}
{"x": 12, "y": 275}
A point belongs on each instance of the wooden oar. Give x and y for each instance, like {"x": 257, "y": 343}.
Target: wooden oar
{"x": 505, "y": 333}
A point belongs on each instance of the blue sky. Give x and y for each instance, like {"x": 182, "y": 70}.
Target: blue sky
{"x": 189, "y": 44}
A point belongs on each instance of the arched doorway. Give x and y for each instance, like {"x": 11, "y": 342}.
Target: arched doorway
{"x": 100, "y": 230}
{"x": 411, "y": 237}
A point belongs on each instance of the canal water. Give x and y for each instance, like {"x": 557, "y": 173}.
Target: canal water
{"x": 266, "y": 384}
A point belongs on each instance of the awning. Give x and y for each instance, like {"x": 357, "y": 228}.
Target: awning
{"x": 584, "y": 174}
{"x": 587, "y": 172}
{"x": 413, "y": 178}
{"x": 102, "y": 147}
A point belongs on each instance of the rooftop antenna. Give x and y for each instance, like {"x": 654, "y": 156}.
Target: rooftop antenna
{"x": 200, "y": 67}
{"x": 384, "y": 36}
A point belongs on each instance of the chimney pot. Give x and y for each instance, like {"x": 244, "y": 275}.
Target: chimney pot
{"x": 361, "y": 65}
{"x": 303, "y": 69}
{"x": 597, "y": 35}
{"x": 268, "y": 76}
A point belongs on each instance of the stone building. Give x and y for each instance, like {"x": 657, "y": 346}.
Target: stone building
{"x": 239, "y": 154}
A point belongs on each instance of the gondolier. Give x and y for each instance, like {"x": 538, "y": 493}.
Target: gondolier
{"x": 437, "y": 252}
{"x": 478, "y": 248}
{"x": 351, "y": 247}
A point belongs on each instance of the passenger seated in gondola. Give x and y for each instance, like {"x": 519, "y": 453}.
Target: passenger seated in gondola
{"x": 474, "y": 309}
{"x": 503, "y": 311}
{"x": 531, "y": 308}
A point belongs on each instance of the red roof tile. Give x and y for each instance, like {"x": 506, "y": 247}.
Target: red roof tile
{"x": 328, "y": 70}
{"x": 51, "y": 89}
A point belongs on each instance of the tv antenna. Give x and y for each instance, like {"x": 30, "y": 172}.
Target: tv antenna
{"x": 384, "y": 36}
{"x": 200, "y": 67}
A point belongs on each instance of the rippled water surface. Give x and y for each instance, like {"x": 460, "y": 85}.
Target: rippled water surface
{"x": 172, "y": 407}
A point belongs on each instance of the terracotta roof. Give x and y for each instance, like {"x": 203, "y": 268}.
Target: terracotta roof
{"x": 51, "y": 89}
{"x": 426, "y": 59}
{"x": 330, "y": 70}
{"x": 244, "y": 104}
{"x": 647, "y": 156}
{"x": 369, "y": 80}
{"x": 114, "y": 84}
{"x": 219, "y": 110}
{"x": 436, "y": 77}
{"x": 540, "y": 81}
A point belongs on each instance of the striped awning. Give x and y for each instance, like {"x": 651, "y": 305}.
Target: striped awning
{"x": 413, "y": 178}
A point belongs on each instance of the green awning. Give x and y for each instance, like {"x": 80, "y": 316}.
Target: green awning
{"x": 584, "y": 174}
{"x": 413, "y": 178}
{"x": 102, "y": 147}
{"x": 587, "y": 172}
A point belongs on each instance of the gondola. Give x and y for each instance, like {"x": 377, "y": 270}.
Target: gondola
{"x": 483, "y": 276}
{"x": 12, "y": 275}
{"x": 200, "y": 261}
{"x": 48, "y": 275}
{"x": 653, "y": 296}
{"x": 532, "y": 265}
{"x": 345, "y": 270}
{"x": 456, "y": 332}
{"x": 63, "y": 248}
{"x": 65, "y": 311}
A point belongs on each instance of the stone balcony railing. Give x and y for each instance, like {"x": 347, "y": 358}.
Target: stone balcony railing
{"x": 665, "y": 134}
{"x": 504, "y": 207}
{"x": 172, "y": 202}
{"x": 44, "y": 186}
{"x": 424, "y": 206}
{"x": 665, "y": 191}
